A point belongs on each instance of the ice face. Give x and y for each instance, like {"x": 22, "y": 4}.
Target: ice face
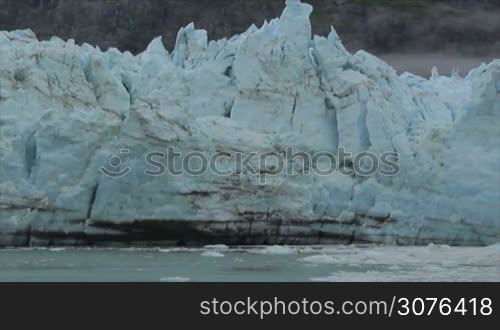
{"x": 65, "y": 108}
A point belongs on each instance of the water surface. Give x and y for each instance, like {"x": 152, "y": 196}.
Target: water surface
{"x": 274, "y": 263}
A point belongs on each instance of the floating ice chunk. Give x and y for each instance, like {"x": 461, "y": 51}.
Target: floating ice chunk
{"x": 320, "y": 259}
{"x": 217, "y": 247}
{"x": 212, "y": 254}
{"x": 175, "y": 279}
{"x": 57, "y": 249}
{"x": 495, "y": 246}
{"x": 278, "y": 250}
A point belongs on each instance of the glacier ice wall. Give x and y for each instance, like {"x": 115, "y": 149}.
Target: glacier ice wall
{"x": 65, "y": 108}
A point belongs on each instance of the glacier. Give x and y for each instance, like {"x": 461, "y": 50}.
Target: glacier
{"x": 65, "y": 108}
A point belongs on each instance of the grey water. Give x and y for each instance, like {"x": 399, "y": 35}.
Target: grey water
{"x": 255, "y": 264}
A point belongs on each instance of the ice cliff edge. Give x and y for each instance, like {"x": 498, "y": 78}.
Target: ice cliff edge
{"x": 65, "y": 109}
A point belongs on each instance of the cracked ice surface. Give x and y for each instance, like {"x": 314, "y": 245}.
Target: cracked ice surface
{"x": 65, "y": 108}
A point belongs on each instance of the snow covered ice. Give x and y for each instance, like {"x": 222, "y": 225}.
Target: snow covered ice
{"x": 65, "y": 108}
